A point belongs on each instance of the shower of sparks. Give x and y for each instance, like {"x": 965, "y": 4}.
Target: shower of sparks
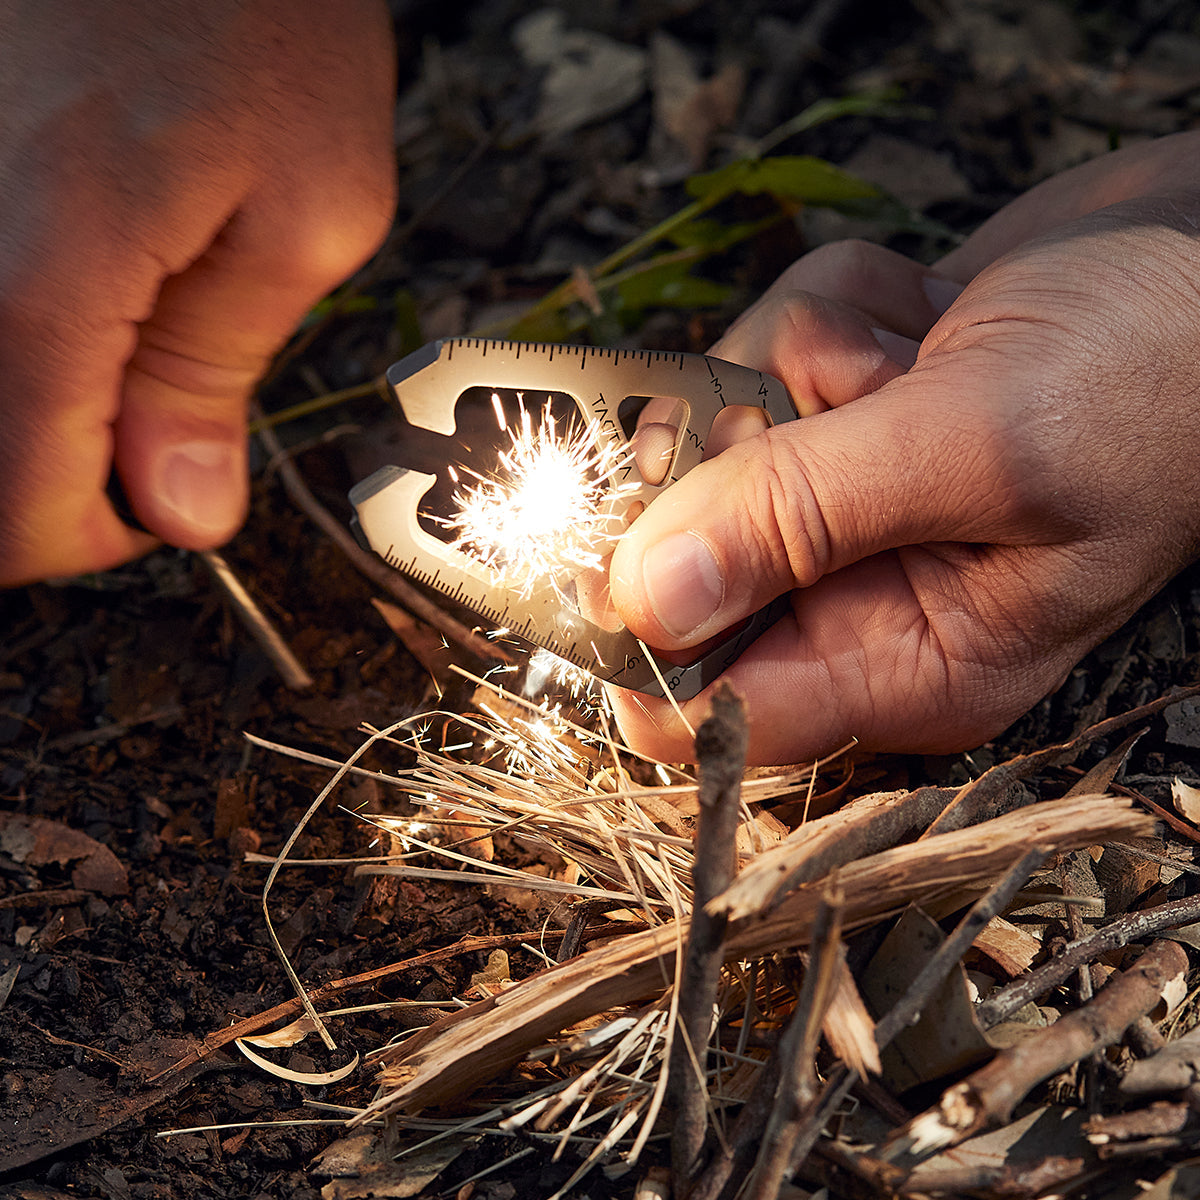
{"x": 550, "y": 510}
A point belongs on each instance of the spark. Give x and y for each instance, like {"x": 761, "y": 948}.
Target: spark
{"x": 547, "y": 670}
{"x": 550, "y": 510}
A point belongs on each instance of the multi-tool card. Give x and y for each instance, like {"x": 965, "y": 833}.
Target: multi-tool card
{"x": 587, "y": 398}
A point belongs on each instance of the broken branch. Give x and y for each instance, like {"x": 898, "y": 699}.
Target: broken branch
{"x": 988, "y": 1096}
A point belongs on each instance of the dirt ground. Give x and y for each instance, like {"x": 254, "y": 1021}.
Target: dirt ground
{"x": 130, "y": 924}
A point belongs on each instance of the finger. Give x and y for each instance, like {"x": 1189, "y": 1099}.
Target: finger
{"x": 800, "y": 501}
{"x": 888, "y": 290}
{"x": 653, "y": 446}
{"x": 180, "y": 437}
{"x": 61, "y": 367}
{"x": 824, "y": 352}
{"x": 737, "y": 423}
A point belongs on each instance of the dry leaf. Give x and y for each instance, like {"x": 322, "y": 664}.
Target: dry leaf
{"x": 495, "y": 977}
{"x": 946, "y": 1037}
{"x": 1187, "y": 800}
{"x": 422, "y": 641}
{"x": 289, "y": 1035}
{"x": 588, "y": 76}
{"x": 311, "y": 1078}
{"x": 36, "y": 842}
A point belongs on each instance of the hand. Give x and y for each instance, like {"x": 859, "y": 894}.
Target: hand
{"x": 179, "y": 183}
{"x": 956, "y": 538}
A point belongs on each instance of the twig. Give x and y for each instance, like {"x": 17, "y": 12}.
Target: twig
{"x": 977, "y": 800}
{"x": 118, "y": 729}
{"x": 866, "y": 826}
{"x": 367, "y": 565}
{"x": 927, "y": 980}
{"x": 1075, "y": 925}
{"x": 838, "y": 1086}
{"x": 1189, "y": 832}
{"x": 987, "y": 1097}
{"x": 269, "y": 639}
{"x": 445, "y": 1061}
{"x": 797, "y": 1050}
{"x": 732, "y": 1162}
{"x": 335, "y": 987}
{"x": 1129, "y": 928}
{"x": 721, "y": 763}
{"x": 1163, "y": 1067}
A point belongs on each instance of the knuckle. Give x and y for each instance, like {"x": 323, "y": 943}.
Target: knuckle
{"x": 788, "y": 522}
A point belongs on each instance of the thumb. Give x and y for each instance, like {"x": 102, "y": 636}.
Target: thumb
{"x": 180, "y": 437}
{"x": 913, "y": 462}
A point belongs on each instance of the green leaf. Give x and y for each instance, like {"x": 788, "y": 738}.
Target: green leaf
{"x": 801, "y": 178}
{"x": 712, "y": 236}
{"x": 669, "y": 286}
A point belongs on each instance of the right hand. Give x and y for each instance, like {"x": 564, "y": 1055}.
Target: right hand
{"x": 179, "y": 183}
{"x": 954, "y": 539}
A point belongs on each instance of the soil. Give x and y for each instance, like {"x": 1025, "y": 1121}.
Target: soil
{"x": 131, "y": 925}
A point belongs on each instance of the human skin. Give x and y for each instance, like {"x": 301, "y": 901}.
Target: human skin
{"x": 954, "y": 536}
{"x": 179, "y": 183}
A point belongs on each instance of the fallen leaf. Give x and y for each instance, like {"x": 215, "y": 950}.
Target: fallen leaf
{"x": 359, "y": 1167}
{"x": 37, "y": 842}
{"x": 289, "y": 1035}
{"x": 312, "y": 1078}
{"x": 1187, "y": 800}
{"x": 588, "y": 76}
{"x": 495, "y": 977}
{"x": 946, "y": 1037}
{"x": 422, "y": 641}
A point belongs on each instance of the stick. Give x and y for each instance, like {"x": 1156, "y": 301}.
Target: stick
{"x": 793, "y": 1057}
{"x": 863, "y": 827}
{"x": 270, "y": 640}
{"x": 927, "y": 980}
{"x": 446, "y": 1061}
{"x": 248, "y": 1026}
{"x": 1089, "y": 1076}
{"x": 721, "y": 762}
{"x": 976, "y": 801}
{"x": 987, "y": 1097}
{"x": 1130, "y": 928}
{"x": 797, "y": 1050}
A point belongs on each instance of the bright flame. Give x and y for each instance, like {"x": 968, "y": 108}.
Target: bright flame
{"x": 549, "y": 512}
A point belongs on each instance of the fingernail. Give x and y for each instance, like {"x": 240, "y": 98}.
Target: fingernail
{"x": 200, "y": 482}
{"x": 898, "y": 348}
{"x": 941, "y": 292}
{"x": 683, "y": 583}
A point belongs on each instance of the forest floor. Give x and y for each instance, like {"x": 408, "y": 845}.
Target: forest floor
{"x": 131, "y": 924}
